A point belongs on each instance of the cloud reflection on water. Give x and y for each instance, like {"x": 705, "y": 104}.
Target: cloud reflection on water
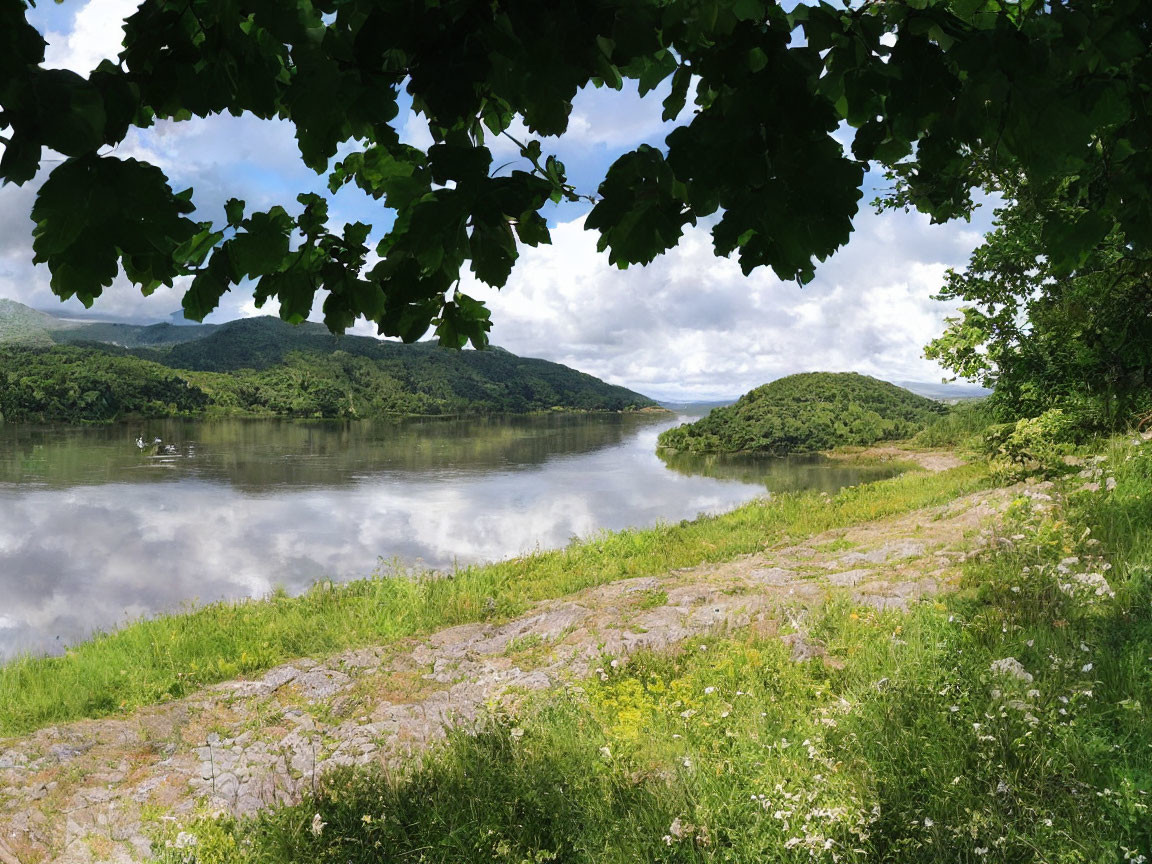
{"x": 76, "y": 558}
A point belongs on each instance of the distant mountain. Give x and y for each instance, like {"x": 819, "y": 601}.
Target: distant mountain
{"x": 23, "y": 325}
{"x": 945, "y": 392}
{"x": 807, "y": 412}
{"x": 262, "y": 366}
{"x": 133, "y": 335}
{"x": 695, "y": 408}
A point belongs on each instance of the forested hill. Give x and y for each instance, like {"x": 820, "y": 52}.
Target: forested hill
{"x": 807, "y": 412}
{"x": 53, "y": 371}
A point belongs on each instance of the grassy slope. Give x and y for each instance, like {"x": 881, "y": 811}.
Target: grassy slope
{"x": 908, "y": 747}
{"x": 171, "y": 655}
{"x": 22, "y": 325}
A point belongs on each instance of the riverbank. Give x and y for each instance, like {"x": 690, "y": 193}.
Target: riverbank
{"x": 171, "y": 655}
{"x": 920, "y": 669}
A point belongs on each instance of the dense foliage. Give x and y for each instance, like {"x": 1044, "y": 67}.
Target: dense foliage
{"x": 946, "y": 95}
{"x": 806, "y": 412}
{"x": 1079, "y": 341}
{"x": 264, "y": 366}
{"x": 73, "y": 385}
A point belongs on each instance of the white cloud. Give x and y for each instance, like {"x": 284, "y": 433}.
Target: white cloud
{"x": 97, "y": 34}
{"x": 690, "y": 325}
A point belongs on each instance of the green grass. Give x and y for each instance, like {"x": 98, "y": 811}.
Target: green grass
{"x": 171, "y": 655}
{"x": 907, "y": 746}
{"x": 962, "y": 426}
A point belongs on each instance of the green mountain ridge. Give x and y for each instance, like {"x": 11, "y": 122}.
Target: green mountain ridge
{"x": 23, "y": 325}
{"x": 55, "y": 371}
{"x": 805, "y": 413}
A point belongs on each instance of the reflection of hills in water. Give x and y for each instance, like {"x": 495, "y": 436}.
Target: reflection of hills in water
{"x": 264, "y": 454}
{"x": 777, "y": 473}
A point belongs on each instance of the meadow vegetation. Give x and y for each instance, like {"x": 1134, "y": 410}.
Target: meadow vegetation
{"x": 1005, "y": 722}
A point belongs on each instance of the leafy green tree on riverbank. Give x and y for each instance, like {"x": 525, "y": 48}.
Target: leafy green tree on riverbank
{"x": 1047, "y": 337}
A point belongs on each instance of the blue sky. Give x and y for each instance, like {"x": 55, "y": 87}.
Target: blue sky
{"x": 688, "y": 326}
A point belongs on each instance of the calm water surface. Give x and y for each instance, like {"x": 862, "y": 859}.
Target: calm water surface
{"x": 94, "y": 532}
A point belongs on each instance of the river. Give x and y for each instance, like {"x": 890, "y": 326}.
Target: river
{"x": 95, "y": 532}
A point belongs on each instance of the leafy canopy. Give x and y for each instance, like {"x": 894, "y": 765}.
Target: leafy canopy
{"x": 947, "y": 96}
{"x": 1078, "y": 340}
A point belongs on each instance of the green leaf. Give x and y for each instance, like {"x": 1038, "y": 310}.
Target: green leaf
{"x": 262, "y": 248}
{"x": 87, "y": 216}
{"x": 70, "y": 112}
{"x": 492, "y": 247}
{"x": 674, "y": 101}
{"x": 296, "y": 291}
{"x": 459, "y": 163}
{"x": 234, "y": 212}
{"x": 208, "y": 287}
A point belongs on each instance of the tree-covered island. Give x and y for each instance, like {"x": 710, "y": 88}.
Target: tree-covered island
{"x": 807, "y": 412}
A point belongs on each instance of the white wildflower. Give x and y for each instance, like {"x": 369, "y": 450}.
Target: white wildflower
{"x": 317, "y": 825}
{"x": 709, "y": 690}
{"x": 1012, "y": 667}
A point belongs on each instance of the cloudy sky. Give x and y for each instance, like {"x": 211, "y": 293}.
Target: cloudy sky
{"x": 689, "y": 326}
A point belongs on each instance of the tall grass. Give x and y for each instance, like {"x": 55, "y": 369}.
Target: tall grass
{"x": 962, "y": 426}
{"x": 1008, "y": 722}
{"x": 170, "y": 655}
